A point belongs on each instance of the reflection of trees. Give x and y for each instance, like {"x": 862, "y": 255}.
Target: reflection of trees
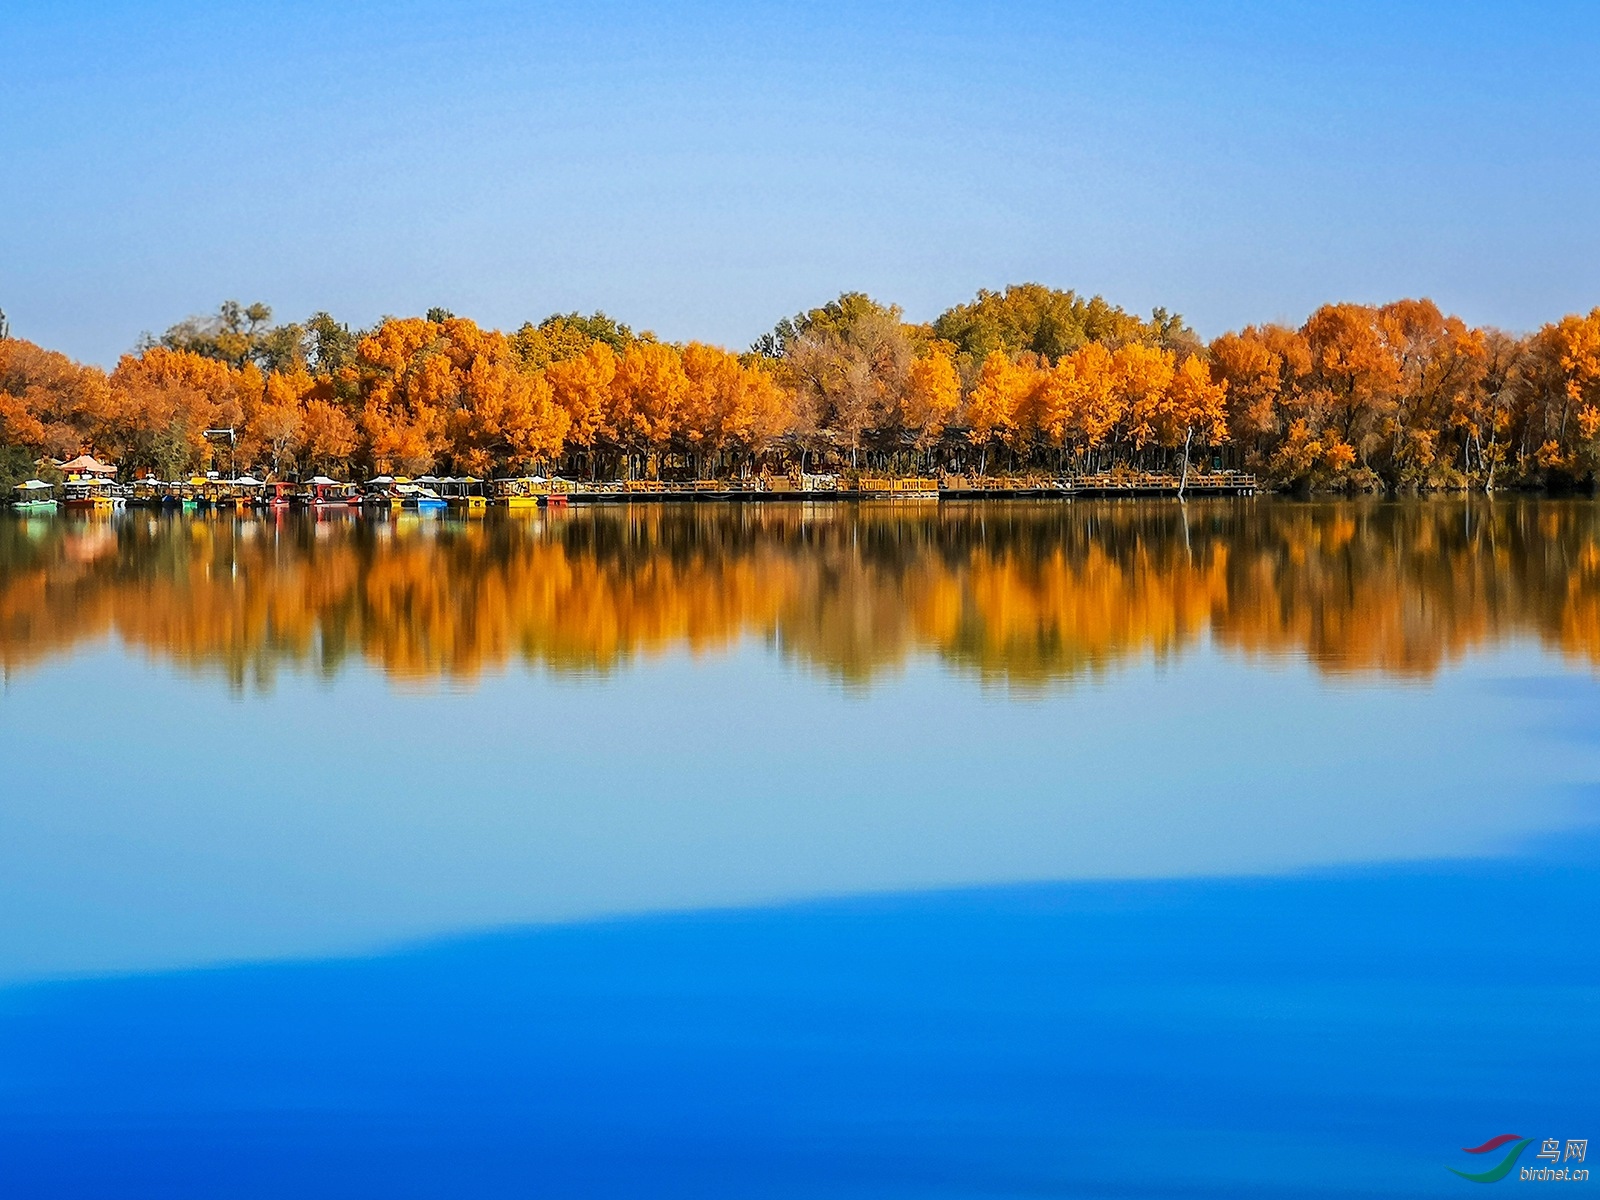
{"x": 1014, "y": 593}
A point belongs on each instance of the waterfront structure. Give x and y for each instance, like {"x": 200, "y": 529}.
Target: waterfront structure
{"x": 35, "y": 496}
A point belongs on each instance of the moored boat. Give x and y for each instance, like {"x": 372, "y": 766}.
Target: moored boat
{"x": 323, "y": 494}
{"x": 88, "y": 495}
{"x": 205, "y": 490}
{"x": 465, "y": 495}
{"x": 382, "y": 492}
{"x": 527, "y": 492}
{"x": 148, "y": 493}
{"x": 246, "y": 493}
{"x": 35, "y": 496}
{"x": 419, "y": 498}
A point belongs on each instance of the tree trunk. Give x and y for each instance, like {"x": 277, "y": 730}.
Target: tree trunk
{"x": 1183, "y": 480}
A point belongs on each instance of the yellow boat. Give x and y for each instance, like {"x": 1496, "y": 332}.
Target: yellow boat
{"x": 88, "y": 495}
{"x": 518, "y": 493}
{"x": 464, "y": 495}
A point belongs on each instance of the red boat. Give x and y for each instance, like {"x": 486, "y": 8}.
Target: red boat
{"x": 324, "y": 493}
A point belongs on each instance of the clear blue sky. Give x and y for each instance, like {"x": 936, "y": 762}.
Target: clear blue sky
{"x": 702, "y": 170}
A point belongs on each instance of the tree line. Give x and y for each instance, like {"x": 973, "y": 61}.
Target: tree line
{"x": 1029, "y": 380}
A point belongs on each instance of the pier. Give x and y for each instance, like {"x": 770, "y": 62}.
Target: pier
{"x": 1111, "y": 484}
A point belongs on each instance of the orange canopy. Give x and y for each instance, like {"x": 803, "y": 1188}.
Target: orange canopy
{"x": 87, "y": 464}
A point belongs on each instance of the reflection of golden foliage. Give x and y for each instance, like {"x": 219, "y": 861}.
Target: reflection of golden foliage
{"x": 1015, "y": 593}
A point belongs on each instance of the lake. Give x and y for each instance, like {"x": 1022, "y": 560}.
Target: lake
{"x": 1092, "y": 849}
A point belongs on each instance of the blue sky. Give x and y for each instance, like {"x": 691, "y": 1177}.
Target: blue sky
{"x": 702, "y": 170}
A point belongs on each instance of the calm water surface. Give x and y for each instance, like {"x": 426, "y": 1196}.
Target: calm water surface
{"x": 907, "y": 851}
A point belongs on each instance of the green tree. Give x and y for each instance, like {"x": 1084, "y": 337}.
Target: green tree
{"x": 235, "y": 334}
{"x": 330, "y": 345}
{"x": 1029, "y": 318}
{"x": 16, "y": 464}
{"x": 836, "y": 318}
{"x": 563, "y": 336}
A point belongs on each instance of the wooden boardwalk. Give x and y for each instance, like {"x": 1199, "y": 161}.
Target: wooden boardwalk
{"x": 954, "y": 487}
{"x": 1212, "y": 483}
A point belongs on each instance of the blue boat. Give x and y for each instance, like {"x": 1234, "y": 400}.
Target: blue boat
{"x": 419, "y": 498}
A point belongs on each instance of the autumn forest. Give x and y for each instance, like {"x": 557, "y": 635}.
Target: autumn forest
{"x": 1029, "y": 380}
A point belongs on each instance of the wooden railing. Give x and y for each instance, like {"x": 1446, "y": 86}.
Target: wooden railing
{"x": 1164, "y": 481}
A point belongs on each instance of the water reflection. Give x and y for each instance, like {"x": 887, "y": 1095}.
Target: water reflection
{"x": 1020, "y": 594}
{"x": 907, "y": 937}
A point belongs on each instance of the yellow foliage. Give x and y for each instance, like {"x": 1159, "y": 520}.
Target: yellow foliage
{"x": 1402, "y": 389}
{"x": 933, "y": 391}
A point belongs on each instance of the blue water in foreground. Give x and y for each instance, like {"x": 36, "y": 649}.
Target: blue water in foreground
{"x": 1336, "y": 1034}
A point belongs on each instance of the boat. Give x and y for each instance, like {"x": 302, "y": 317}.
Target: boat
{"x": 381, "y": 493}
{"x": 153, "y": 493}
{"x": 419, "y": 498}
{"x": 35, "y": 496}
{"x": 278, "y": 494}
{"x": 228, "y": 495}
{"x": 324, "y": 494}
{"x": 246, "y": 493}
{"x": 464, "y": 495}
{"x": 88, "y": 495}
{"x": 529, "y": 492}
{"x": 205, "y": 491}
{"x": 148, "y": 493}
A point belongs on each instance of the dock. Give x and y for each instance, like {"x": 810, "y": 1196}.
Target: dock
{"x": 952, "y": 487}
{"x": 1118, "y": 483}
